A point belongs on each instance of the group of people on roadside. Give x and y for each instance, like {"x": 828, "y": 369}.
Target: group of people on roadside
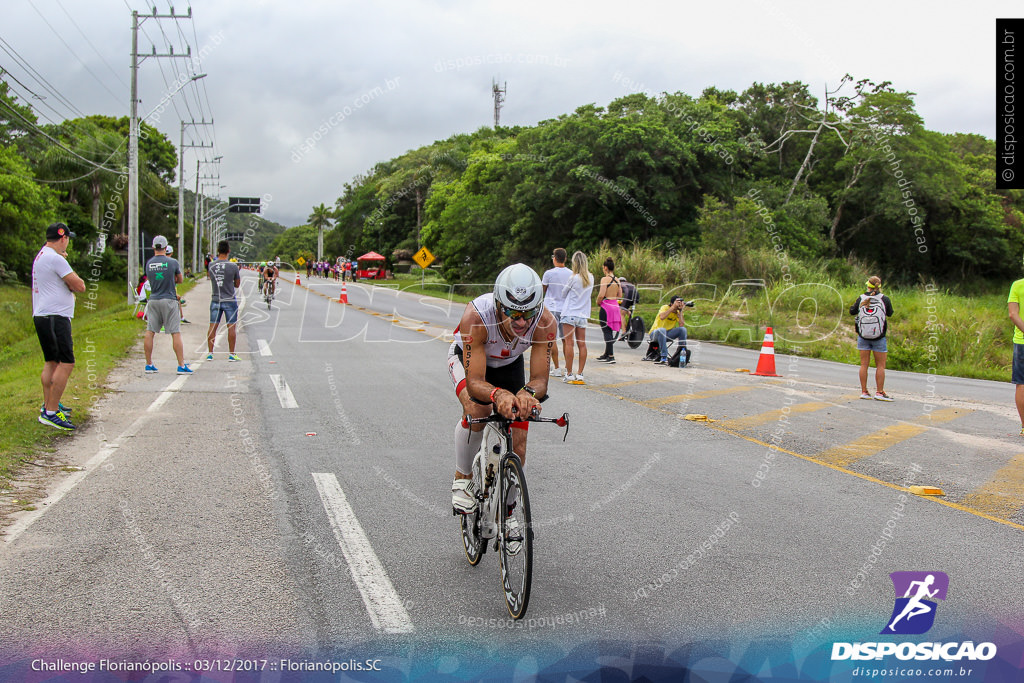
{"x": 164, "y": 273}
{"x": 339, "y": 269}
{"x": 568, "y": 293}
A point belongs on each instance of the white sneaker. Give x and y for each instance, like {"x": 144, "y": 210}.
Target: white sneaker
{"x": 578, "y": 379}
{"x": 464, "y": 496}
{"x": 568, "y": 377}
{"x": 558, "y": 372}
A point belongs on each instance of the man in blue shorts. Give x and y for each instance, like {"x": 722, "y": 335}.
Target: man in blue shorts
{"x": 225, "y": 278}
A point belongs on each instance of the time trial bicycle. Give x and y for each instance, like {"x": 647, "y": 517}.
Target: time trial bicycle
{"x": 499, "y": 478}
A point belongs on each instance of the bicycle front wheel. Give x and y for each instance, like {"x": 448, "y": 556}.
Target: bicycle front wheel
{"x": 515, "y": 539}
{"x": 474, "y": 544}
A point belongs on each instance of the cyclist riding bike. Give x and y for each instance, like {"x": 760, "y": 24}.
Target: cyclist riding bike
{"x": 486, "y": 363}
{"x": 269, "y": 278}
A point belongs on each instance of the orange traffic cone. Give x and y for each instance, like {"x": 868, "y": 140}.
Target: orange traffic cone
{"x": 297, "y": 279}
{"x": 343, "y": 297}
{"x": 766, "y": 361}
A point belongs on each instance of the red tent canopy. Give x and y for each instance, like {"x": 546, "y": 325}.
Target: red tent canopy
{"x": 371, "y": 256}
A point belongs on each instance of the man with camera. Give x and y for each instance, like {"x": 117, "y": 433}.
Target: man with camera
{"x": 669, "y": 324}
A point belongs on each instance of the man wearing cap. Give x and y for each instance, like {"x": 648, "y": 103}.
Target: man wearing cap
{"x": 669, "y": 324}
{"x": 54, "y": 283}
{"x": 162, "y": 310}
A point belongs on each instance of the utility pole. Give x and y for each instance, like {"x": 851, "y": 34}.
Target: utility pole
{"x": 206, "y": 214}
{"x": 499, "y": 99}
{"x": 197, "y": 232}
{"x": 181, "y": 189}
{"x": 133, "y": 143}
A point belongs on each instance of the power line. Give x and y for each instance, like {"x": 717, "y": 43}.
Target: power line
{"x": 23, "y": 63}
{"x": 34, "y": 95}
{"x": 59, "y": 144}
{"x": 73, "y": 53}
{"x": 42, "y": 100}
{"x": 98, "y": 54}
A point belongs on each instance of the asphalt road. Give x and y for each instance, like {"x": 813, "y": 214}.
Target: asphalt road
{"x": 298, "y": 501}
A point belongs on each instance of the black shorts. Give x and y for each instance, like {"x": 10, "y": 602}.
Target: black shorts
{"x": 509, "y": 377}
{"x": 54, "y": 332}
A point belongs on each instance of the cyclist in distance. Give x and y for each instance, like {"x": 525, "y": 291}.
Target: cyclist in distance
{"x": 269, "y": 276}
{"x": 485, "y": 362}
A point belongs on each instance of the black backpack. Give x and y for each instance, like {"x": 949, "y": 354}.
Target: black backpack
{"x": 654, "y": 353}
{"x": 629, "y": 294}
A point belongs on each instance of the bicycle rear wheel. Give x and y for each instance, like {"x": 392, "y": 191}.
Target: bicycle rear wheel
{"x": 516, "y": 544}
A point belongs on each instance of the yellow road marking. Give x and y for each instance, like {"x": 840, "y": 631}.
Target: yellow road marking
{"x": 865, "y": 477}
{"x": 742, "y": 423}
{"x": 630, "y": 383}
{"x": 679, "y": 398}
{"x": 1003, "y": 495}
{"x": 940, "y": 416}
{"x": 869, "y": 444}
{"x": 876, "y": 442}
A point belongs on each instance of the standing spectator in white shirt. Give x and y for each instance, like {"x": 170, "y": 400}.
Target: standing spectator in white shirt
{"x": 54, "y": 283}
{"x": 575, "y": 313}
{"x": 554, "y": 282}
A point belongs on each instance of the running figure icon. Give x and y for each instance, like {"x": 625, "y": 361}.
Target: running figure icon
{"x": 918, "y": 590}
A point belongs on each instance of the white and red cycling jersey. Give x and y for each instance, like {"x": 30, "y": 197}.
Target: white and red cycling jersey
{"x": 499, "y": 352}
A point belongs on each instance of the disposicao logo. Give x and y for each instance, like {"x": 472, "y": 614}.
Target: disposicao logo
{"x": 913, "y": 614}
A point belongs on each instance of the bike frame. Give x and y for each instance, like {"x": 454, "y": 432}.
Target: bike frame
{"x": 501, "y": 429}
{"x": 490, "y": 463}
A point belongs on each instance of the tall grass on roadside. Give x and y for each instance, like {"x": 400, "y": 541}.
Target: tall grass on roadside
{"x": 807, "y": 304}
{"x": 102, "y": 338}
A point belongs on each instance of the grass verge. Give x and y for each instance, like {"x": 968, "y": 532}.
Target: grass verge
{"x": 104, "y": 331}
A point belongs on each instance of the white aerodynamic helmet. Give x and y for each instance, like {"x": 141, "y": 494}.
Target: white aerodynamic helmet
{"x": 519, "y": 288}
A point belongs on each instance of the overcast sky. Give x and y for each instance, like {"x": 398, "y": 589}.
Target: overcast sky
{"x": 398, "y": 75}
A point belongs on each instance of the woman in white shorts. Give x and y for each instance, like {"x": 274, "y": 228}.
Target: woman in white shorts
{"x": 575, "y": 313}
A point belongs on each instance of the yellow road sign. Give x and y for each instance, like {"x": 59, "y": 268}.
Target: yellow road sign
{"x": 301, "y": 261}
{"x": 423, "y": 258}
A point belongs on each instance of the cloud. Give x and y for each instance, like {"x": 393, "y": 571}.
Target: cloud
{"x": 281, "y": 70}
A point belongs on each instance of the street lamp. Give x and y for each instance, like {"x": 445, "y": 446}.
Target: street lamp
{"x": 133, "y": 173}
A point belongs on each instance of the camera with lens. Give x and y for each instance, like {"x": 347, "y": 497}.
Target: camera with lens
{"x": 689, "y": 304}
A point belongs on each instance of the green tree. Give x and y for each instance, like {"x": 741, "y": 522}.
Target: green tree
{"x": 734, "y": 230}
{"x": 320, "y": 219}
{"x": 16, "y": 120}
{"x": 292, "y": 243}
{"x": 26, "y": 208}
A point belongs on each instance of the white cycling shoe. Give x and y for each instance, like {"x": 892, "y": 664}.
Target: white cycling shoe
{"x": 464, "y": 496}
